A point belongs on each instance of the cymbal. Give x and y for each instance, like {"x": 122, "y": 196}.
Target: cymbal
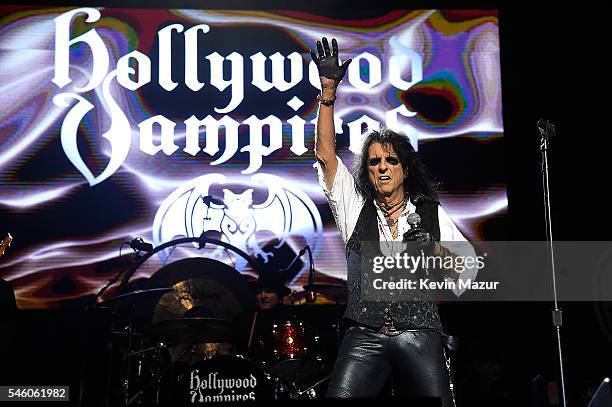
{"x": 133, "y": 297}
{"x": 201, "y": 288}
{"x": 331, "y": 290}
{"x": 214, "y": 287}
{"x": 193, "y": 330}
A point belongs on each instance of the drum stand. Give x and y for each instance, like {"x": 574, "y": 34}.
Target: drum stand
{"x": 111, "y": 327}
{"x": 308, "y": 390}
{"x": 125, "y": 387}
{"x": 156, "y": 381}
{"x": 338, "y": 318}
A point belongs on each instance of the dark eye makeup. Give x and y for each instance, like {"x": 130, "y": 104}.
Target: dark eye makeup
{"x": 375, "y": 161}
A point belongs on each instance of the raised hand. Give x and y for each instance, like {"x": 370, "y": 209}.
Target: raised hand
{"x": 327, "y": 63}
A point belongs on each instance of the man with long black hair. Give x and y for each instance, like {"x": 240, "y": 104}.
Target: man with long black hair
{"x": 389, "y": 182}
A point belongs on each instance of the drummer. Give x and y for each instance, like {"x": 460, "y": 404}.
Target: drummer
{"x": 269, "y": 289}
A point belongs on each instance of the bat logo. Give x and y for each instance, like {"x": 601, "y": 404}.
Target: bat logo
{"x": 248, "y": 213}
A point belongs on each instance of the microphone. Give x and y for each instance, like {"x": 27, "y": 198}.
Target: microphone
{"x": 542, "y": 125}
{"x": 138, "y": 244}
{"x": 546, "y": 128}
{"x": 311, "y": 295}
{"x": 414, "y": 220}
{"x": 296, "y": 258}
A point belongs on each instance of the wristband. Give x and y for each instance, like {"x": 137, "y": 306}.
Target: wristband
{"x": 326, "y": 102}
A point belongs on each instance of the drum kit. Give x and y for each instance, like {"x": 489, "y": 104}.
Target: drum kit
{"x": 186, "y": 339}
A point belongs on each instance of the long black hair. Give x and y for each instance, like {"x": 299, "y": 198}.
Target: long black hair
{"x": 419, "y": 183}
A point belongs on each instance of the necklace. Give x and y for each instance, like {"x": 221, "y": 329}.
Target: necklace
{"x": 389, "y": 209}
{"x": 388, "y": 248}
{"x": 388, "y": 222}
{"x": 388, "y": 245}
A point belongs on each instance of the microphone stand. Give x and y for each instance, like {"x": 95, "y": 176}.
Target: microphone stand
{"x": 311, "y": 295}
{"x": 137, "y": 245}
{"x": 547, "y": 131}
{"x": 311, "y": 272}
{"x": 300, "y": 254}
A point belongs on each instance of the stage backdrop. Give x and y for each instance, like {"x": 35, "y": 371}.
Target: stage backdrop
{"x": 161, "y": 124}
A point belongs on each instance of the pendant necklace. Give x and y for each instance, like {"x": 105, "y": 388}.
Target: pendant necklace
{"x": 388, "y": 211}
{"x": 388, "y": 240}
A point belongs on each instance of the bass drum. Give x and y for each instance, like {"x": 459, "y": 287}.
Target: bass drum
{"x": 223, "y": 379}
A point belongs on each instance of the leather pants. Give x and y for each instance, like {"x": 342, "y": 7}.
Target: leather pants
{"x": 414, "y": 359}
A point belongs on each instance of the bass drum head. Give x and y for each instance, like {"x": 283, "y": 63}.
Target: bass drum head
{"x": 221, "y": 380}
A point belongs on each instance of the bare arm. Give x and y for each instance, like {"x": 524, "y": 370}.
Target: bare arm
{"x": 325, "y": 141}
{"x": 330, "y": 74}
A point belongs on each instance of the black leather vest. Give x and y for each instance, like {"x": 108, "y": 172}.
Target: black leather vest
{"x": 404, "y": 314}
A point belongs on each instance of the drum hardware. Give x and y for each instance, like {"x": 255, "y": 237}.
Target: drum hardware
{"x": 336, "y": 291}
{"x": 339, "y": 292}
{"x": 201, "y": 240}
{"x": 310, "y": 391}
{"x": 157, "y": 347}
{"x": 123, "y": 302}
{"x": 114, "y": 304}
{"x": 287, "y": 390}
{"x": 172, "y": 293}
{"x": 126, "y": 379}
{"x": 252, "y": 330}
{"x": 128, "y": 270}
{"x": 298, "y": 354}
{"x": 197, "y": 302}
{"x": 193, "y": 330}
{"x": 201, "y": 301}
{"x": 155, "y": 381}
{"x": 311, "y": 296}
{"x": 132, "y": 297}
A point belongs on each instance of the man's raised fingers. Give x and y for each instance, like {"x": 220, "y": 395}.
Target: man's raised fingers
{"x": 314, "y": 57}
{"x": 334, "y": 46}
{"x": 326, "y": 47}
{"x": 320, "y": 50}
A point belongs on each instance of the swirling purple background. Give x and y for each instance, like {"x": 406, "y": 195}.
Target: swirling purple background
{"x": 68, "y": 233}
